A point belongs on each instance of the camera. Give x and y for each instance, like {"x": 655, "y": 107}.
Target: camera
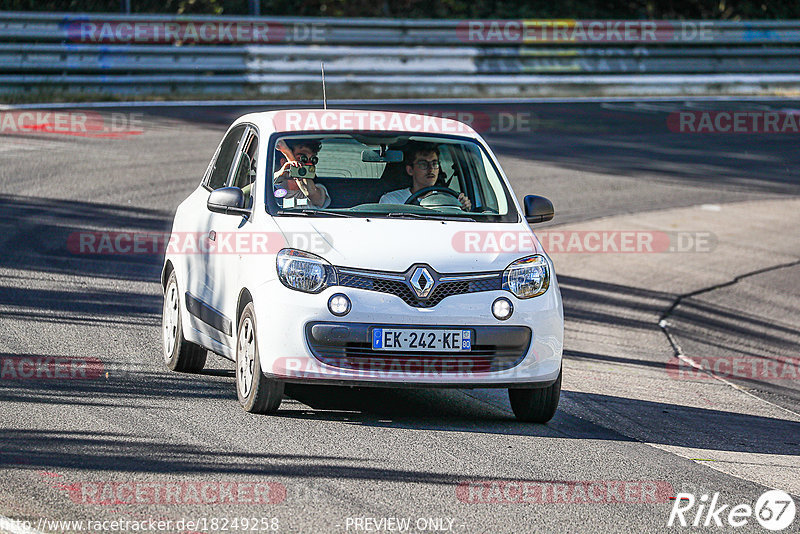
{"x": 307, "y": 169}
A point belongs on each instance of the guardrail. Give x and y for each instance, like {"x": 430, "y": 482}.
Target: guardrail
{"x": 154, "y": 54}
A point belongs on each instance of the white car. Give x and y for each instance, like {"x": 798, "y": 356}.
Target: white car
{"x": 406, "y": 262}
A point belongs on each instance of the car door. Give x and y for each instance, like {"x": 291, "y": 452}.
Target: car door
{"x": 197, "y": 244}
{"x": 231, "y": 239}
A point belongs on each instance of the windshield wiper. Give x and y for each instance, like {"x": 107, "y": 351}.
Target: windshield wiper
{"x": 307, "y": 212}
{"x": 437, "y": 217}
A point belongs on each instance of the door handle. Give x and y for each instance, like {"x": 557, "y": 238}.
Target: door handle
{"x": 212, "y": 235}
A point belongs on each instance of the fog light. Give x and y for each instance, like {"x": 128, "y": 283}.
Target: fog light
{"x": 339, "y": 305}
{"x": 502, "y": 308}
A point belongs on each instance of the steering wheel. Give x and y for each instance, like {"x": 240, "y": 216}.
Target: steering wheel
{"x": 415, "y": 197}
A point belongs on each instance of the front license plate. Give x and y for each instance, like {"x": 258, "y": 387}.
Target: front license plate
{"x": 420, "y": 339}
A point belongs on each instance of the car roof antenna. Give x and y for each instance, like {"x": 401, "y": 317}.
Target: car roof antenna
{"x": 324, "y": 98}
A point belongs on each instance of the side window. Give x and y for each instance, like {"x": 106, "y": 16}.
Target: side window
{"x": 448, "y": 168}
{"x": 246, "y": 168}
{"x": 472, "y": 177}
{"x": 222, "y": 164}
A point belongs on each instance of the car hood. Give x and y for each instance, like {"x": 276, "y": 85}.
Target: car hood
{"x": 397, "y": 244}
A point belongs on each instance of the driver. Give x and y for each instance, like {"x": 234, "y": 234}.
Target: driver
{"x": 422, "y": 164}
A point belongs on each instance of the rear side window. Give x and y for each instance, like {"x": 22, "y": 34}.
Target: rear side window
{"x": 222, "y": 164}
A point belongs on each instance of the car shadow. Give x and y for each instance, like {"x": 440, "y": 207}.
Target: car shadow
{"x": 487, "y": 411}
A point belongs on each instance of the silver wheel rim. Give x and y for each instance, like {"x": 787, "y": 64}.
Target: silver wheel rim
{"x": 170, "y": 320}
{"x": 246, "y": 357}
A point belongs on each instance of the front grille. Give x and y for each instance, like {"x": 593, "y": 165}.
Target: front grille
{"x": 348, "y": 346}
{"x": 400, "y": 288}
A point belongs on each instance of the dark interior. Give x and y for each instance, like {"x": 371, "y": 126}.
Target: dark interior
{"x": 349, "y": 193}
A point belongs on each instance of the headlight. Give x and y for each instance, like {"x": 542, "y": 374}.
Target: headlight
{"x": 304, "y": 271}
{"x": 528, "y": 277}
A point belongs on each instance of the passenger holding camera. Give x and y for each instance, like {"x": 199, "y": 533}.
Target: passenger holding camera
{"x": 294, "y": 181}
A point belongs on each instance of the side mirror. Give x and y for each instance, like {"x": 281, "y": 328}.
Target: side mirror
{"x": 227, "y": 200}
{"x": 538, "y": 209}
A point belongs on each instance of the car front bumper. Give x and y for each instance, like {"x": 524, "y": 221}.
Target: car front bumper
{"x": 300, "y": 340}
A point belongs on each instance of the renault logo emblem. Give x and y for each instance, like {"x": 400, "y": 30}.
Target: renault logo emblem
{"x": 422, "y": 282}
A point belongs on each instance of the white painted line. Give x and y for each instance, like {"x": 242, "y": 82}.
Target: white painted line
{"x": 664, "y": 325}
{"x": 711, "y": 207}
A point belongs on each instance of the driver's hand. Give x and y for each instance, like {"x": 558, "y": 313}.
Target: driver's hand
{"x": 466, "y": 204}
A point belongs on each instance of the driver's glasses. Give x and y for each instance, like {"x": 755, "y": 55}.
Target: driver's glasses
{"x": 427, "y": 165}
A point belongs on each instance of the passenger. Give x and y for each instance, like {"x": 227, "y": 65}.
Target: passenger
{"x": 422, "y": 165}
{"x": 297, "y": 190}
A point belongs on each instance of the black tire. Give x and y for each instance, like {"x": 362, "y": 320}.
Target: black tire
{"x": 179, "y": 354}
{"x": 536, "y": 405}
{"x": 261, "y": 395}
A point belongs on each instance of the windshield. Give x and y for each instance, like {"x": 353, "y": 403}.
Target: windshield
{"x": 386, "y": 175}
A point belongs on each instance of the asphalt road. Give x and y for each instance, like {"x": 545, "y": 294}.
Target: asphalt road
{"x": 344, "y": 455}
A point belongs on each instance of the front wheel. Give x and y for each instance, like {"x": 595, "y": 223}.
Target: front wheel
{"x": 179, "y": 354}
{"x": 256, "y": 392}
{"x": 536, "y": 405}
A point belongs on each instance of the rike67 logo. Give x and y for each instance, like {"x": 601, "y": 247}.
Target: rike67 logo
{"x": 774, "y": 510}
